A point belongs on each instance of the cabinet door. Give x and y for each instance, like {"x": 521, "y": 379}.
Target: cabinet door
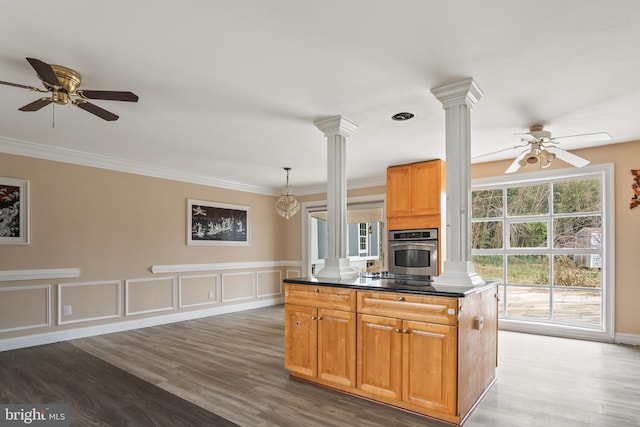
{"x": 337, "y": 347}
{"x": 425, "y": 188}
{"x": 399, "y": 191}
{"x": 300, "y": 337}
{"x": 430, "y": 366}
{"x": 380, "y": 356}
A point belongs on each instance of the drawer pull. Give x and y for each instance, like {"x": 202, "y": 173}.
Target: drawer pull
{"x": 316, "y": 290}
{"x": 405, "y": 331}
{"x": 400, "y": 298}
{"x": 396, "y": 330}
{"x": 313, "y": 318}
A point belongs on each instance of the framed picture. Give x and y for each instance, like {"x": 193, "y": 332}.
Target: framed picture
{"x": 14, "y": 211}
{"x": 211, "y": 223}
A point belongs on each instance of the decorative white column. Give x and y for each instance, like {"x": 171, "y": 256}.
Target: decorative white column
{"x": 337, "y": 129}
{"x": 457, "y": 99}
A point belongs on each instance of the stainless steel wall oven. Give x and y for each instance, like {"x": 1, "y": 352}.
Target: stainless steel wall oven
{"x": 414, "y": 252}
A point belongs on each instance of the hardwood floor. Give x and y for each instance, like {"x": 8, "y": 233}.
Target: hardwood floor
{"x": 232, "y": 365}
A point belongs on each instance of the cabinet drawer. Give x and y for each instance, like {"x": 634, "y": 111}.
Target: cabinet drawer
{"x": 422, "y": 308}
{"x": 320, "y": 296}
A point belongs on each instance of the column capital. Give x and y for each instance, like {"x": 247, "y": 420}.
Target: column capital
{"x": 336, "y": 125}
{"x": 461, "y": 92}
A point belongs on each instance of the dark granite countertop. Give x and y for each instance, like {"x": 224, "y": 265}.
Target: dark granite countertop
{"x": 409, "y": 286}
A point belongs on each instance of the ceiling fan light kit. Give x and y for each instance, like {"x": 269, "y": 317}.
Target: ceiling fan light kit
{"x": 62, "y": 83}
{"x": 542, "y": 148}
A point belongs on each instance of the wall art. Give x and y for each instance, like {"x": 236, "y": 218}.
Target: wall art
{"x": 14, "y": 211}
{"x": 212, "y": 223}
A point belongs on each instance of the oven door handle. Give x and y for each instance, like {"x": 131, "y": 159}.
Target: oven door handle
{"x": 427, "y": 245}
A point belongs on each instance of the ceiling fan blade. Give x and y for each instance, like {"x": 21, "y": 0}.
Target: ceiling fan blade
{"x": 585, "y": 137}
{"x": 45, "y": 71}
{"x": 109, "y": 95}
{"x": 572, "y": 159}
{"x": 94, "y": 109}
{"x": 516, "y": 163}
{"x": 499, "y": 151}
{"x": 37, "y": 104}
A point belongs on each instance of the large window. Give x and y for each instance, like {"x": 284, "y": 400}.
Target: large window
{"x": 545, "y": 237}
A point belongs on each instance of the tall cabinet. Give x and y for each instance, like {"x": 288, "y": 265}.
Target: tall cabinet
{"x": 415, "y": 198}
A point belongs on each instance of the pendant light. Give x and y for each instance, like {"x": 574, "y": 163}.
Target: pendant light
{"x": 287, "y": 205}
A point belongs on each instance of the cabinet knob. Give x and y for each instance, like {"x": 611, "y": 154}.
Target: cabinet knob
{"x": 319, "y": 317}
{"x": 400, "y": 298}
{"x": 316, "y": 290}
{"x": 396, "y": 330}
{"x": 313, "y": 318}
{"x": 405, "y": 331}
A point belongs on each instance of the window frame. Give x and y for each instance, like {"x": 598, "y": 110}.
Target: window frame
{"x": 605, "y": 172}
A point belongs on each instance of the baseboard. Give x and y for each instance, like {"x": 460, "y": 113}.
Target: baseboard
{"x": 72, "y": 334}
{"x": 631, "y": 339}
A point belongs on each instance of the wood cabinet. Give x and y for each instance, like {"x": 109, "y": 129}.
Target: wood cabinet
{"x": 408, "y": 360}
{"x": 414, "y": 194}
{"x": 430, "y": 354}
{"x": 320, "y": 334}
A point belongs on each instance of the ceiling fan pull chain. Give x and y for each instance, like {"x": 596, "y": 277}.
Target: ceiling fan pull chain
{"x": 53, "y": 118}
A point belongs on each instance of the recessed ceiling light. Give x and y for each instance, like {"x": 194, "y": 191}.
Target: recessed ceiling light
{"x": 400, "y": 117}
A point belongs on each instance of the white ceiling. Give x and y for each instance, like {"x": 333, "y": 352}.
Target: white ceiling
{"x": 229, "y": 90}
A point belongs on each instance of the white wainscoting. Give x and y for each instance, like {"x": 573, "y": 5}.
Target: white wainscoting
{"x": 12, "y": 300}
{"x": 198, "y": 290}
{"x": 268, "y": 283}
{"x": 149, "y": 295}
{"x": 72, "y": 293}
{"x": 237, "y": 286}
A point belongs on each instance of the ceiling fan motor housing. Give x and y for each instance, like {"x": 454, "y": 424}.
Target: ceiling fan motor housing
{"x": 69, "y": 82}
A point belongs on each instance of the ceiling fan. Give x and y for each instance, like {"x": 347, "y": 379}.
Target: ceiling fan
{"x": 62, "y": 83}
{"x": 541, "y": 148}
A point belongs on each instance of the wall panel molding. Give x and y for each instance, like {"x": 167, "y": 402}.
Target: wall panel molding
{"x": 45, "y": 308}
{"x": 265, "y": 289}
{"x": 232, "y": 292}
{"x": 183, "y": 284}
{"x": 131, "y": 283}
{"x": 45, "y": 274}
{"x": 181, "y": 268}
{"x": 117, "y": 302}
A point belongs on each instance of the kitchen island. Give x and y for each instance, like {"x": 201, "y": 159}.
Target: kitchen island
{"x": 430, "y": 349}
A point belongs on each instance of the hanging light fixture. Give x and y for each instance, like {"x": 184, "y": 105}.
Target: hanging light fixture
{"x": 287, "y": 205}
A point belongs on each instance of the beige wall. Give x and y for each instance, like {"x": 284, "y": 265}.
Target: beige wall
{"x": 113, "y": 227}
{"x": 627, "y": 224}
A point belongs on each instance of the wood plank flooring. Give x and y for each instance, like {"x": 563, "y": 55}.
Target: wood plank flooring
{"x": 232, "y": 365}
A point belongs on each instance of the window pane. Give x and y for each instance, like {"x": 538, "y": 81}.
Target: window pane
{"x": 577, "y": 196}
{"x": 578, "y": 270}
{"x": 489, "y": 266}
{"x": 580, "y": 306}
{"x": 528, "y": 269}
{"x": 528, "y": 234}
{"x": 486, "y": 235}
{"x": 529, "y": 302}
{"x": 486, "y": 203}
{"x": 530, "y": 200}
{"x": 577, "y": 232}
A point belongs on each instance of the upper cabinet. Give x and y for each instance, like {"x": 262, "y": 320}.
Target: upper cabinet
{"x": 414, "y": 192}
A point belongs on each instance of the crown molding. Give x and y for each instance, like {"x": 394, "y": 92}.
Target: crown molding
{"x": 65, "y": 155}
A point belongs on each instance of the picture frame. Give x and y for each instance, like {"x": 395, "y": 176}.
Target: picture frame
{"x": 14, "y": 211}
{"x": 218, "y": 224}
